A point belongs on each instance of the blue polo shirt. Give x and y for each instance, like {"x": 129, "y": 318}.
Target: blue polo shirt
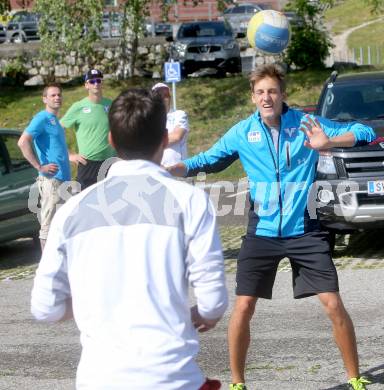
{"x": 49, "y": 141}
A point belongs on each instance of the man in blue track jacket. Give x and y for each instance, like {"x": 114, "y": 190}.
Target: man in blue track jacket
{"x": 278, "y": 148}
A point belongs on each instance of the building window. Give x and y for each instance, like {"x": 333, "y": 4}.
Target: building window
{"x": 110, "y": 3}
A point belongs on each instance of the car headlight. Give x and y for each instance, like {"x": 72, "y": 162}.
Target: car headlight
{"x": 326, "y": 164}
{"x": 180, "y": 48}
{"x": 229, "y": 45}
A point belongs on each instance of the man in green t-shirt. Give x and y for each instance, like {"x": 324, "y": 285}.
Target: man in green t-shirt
{"x": 89, "y": 118}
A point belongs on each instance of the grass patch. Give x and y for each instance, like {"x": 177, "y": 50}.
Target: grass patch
{"x": 348, "y": 14}
{"x": 373, "y": 35}
{"x": 314, "y": 369}
{"x": 213, "y": 106}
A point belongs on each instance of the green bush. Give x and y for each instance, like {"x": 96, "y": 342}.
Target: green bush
{"x": 310, "y": 43}
{"x": 14, "y": 71}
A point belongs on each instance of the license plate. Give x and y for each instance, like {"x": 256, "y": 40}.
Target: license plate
{"x": 376, "y": 187}
{"x": 207, "y": 57}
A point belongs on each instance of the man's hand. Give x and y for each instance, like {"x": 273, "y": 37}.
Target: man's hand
{"x": 200, "y": 323}
{"x": 317, "y": 139}
{"x": 77, "y": 159}
{"x": 49, "y": 169}
{"x": 178, "y": 170}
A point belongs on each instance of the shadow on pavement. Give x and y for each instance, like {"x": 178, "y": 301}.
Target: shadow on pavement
{"x": 371, "y": 374}
{"x": 367, "y": 244}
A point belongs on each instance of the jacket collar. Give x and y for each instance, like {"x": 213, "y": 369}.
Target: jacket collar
{"x": 135, "y": 167}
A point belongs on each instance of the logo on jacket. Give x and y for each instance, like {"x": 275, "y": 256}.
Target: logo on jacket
{"x": 52, "y": 121}
{"x": 254, "y": 136}
{"x": 86, "y": 110}
{"x": 106, "y": 108}
{"x": 382, "y": 144}
{"x": 290, "y": 131}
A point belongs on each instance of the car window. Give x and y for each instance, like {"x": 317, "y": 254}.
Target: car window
{"x": 228, "y": 11}
{"x": 239, "y": 10}
{"x": 250, "y": 9}
{"x": 354, "y": 102}
{"x": 204, "y": 30}
{"x": 17, "y": 18}
{"x": 16, "y": 157}
{"x": 3, "y": 165}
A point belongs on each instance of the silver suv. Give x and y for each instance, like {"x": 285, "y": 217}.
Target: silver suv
{"x": 240, "y": 15}
{"x": 206, "y": 45}
{"x": 23, "y": 27}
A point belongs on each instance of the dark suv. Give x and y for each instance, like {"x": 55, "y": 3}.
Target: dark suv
{"x": 350, "y": 181}
{"x": 16, "y": 178}
{"x": 206, "y": 45}
{"x": 23, "y": 27}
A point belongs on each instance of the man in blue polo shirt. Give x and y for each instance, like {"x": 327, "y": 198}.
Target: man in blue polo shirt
{"x": 49, "y": 155}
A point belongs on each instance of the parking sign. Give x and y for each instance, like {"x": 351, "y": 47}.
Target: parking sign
{"x": 172, "y": 72}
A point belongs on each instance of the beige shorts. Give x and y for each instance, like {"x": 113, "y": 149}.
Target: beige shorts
{"x": 50, "y": 201}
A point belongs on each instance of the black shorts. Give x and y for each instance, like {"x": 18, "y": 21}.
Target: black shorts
{"x": 313, "y": 270}
{"x": 87, "y": 174}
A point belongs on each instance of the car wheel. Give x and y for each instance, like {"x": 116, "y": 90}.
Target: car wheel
{"x": 17, "y": 38}
{"x": 185, "y": 71}
{"x": 235, "y": 67}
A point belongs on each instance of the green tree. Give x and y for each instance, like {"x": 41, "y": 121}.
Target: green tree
{"x": 69, "y": 26}
{"x": 310, "y": 42}
{"x": 4, "y": 6}
{"x": 134, "y": 14}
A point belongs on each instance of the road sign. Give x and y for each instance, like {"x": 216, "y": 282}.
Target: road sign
{"x": 172, "y": 72}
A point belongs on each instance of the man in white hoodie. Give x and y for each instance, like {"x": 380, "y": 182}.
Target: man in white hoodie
{"x": 120, "y": 257}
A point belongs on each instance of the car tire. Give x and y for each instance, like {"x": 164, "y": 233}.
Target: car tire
{"x": 17, "y": 38}
{"x": 235, "y": 67}
{"x": 185, "y": 71}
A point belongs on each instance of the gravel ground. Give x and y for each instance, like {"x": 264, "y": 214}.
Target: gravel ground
{"x": 292, "y": 347}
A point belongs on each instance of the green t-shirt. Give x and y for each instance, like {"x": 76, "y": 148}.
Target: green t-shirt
{"x": 90, "y": 122}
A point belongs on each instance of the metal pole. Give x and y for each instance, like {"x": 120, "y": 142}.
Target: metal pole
{"x": 174, "y": 95}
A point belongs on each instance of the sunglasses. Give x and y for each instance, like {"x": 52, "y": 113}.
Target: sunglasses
{"x": 94, "y": 81}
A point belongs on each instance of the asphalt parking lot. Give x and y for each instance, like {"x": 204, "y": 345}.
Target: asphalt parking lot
{"x": 292, "y": 346}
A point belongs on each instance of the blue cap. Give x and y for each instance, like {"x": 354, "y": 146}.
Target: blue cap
{"x": 93, "y": 74}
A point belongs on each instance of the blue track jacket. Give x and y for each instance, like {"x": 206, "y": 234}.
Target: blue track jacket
{"x": 279, "y": 182}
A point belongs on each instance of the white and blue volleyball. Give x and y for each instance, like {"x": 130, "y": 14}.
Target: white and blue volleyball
{"x": 268, "y": 31}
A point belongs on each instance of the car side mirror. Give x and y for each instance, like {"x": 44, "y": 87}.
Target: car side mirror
{"x": 169, "y": 38}
{"x": 240, "y": 35}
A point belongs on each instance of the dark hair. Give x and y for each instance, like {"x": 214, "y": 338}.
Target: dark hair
{"x": 137, "y": 121}
{"x": 51, "y": 85}
{"x": 269, "y": 70}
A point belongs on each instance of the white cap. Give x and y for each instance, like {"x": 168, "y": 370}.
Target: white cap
{"x": 159, "y": 85}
